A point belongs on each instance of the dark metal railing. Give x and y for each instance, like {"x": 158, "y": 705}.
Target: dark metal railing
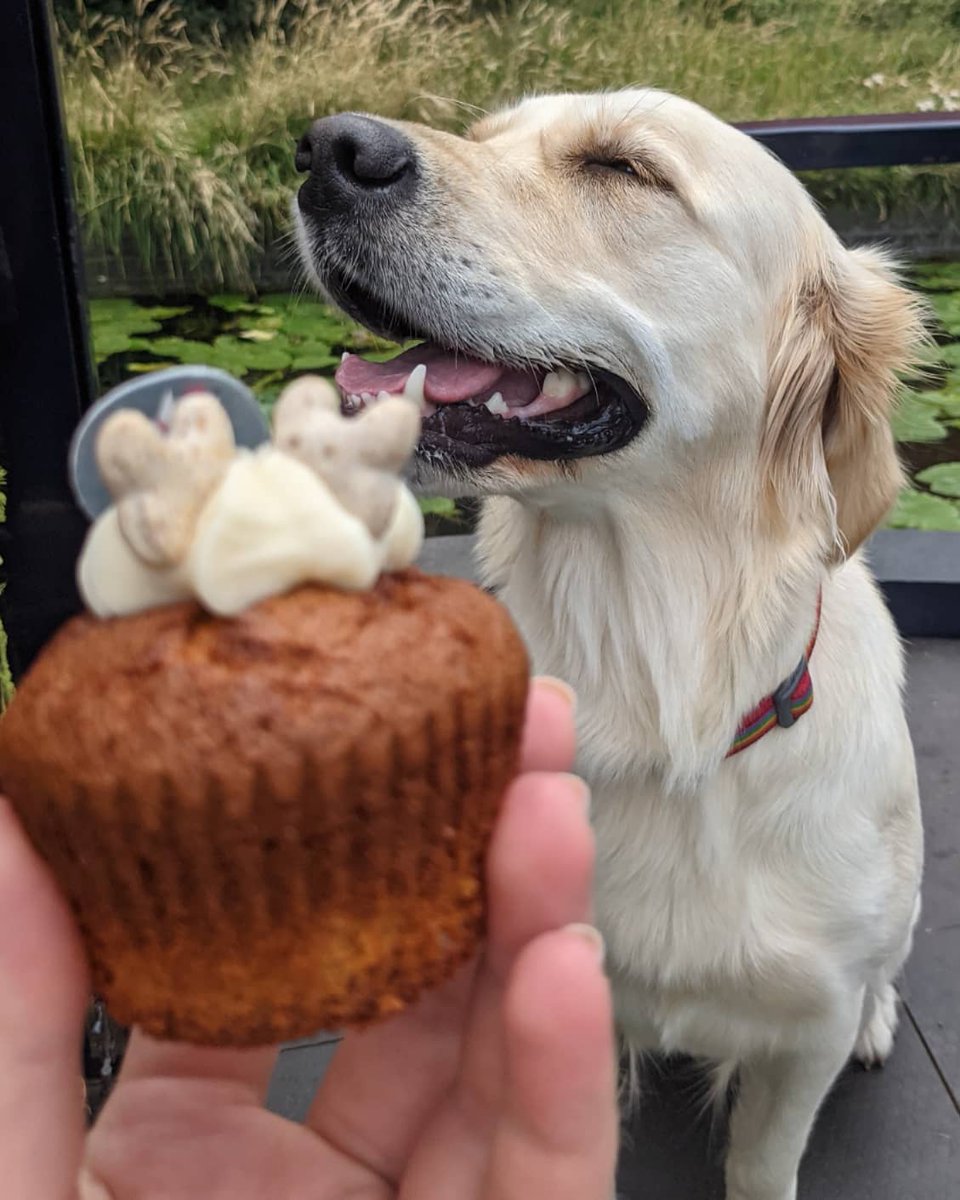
{"x": 886, "y": 140}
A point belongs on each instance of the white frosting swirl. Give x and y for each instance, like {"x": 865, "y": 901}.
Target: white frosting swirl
{"x": 270, "y": 524}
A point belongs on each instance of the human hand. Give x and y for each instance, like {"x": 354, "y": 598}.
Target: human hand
{"x": 498, "y": 1086}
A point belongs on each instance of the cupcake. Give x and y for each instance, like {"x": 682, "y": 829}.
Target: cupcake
{"x": 265, "y": 765}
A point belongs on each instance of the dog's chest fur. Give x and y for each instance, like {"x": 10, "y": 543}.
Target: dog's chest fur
{"x": 731, "y": 902}
{"x": 718, "y": 943}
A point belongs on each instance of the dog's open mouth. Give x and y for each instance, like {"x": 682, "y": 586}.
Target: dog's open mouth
{"x": 475, "y": 410}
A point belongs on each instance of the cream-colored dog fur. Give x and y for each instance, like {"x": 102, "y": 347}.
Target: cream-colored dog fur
{"x": 757, "y": 910}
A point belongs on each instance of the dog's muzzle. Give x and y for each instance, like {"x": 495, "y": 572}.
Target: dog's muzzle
{"x": 362, "y": 207}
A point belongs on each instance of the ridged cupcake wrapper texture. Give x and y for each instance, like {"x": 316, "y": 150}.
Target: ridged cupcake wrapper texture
{"x": 343, "y": 912}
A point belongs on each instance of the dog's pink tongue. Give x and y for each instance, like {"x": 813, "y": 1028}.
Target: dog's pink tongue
{"x": 450, "y": 377}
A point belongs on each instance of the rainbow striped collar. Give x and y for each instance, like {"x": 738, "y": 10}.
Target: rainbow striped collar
{"x": 785, "y": 706}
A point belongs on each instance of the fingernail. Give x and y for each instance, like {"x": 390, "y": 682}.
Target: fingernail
{"x": 582, "y": 790}
{"x": 592, "y": 937}
{"x": 559, "y": 688}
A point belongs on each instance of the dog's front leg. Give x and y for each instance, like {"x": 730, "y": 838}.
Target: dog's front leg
{"x": 778, "y": 1099}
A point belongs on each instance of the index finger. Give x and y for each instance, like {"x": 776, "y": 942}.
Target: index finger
{"x": 549, "y": 737}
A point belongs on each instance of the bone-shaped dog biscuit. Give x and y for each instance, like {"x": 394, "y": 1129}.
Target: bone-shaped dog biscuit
{"x": 193, "y": 516}
{"x": 357, "y": 457}
{"x": 160, "y": 480}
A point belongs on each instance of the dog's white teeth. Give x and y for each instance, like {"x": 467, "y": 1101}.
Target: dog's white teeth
{"x": 427, "y": 409}
{"x": 367, "y": 397}
{"x": 560, "y": 384}
{"x": 416, "y": 382}
{"x": 497, "y": 405}
{"x": 351, "y": 403}
{"x": 344, "y": 356}
{"x": 165, "y": 410}
{"x": 384, "y": 395}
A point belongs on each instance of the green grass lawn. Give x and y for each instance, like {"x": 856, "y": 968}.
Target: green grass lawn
{"x": 182, "y": 151}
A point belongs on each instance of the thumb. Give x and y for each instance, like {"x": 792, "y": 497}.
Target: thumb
{"x": 43, "y": 994}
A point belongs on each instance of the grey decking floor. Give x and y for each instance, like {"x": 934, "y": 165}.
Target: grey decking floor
{"x": 889, "y": 1135}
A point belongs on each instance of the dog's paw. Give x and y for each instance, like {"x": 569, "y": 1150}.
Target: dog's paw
{"x": 875, "y": 1042}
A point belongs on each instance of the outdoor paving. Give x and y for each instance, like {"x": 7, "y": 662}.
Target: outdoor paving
{"x": 885, "y": 1135}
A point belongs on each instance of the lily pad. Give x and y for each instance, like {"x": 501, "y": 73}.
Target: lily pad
{"x": 284, "y": 300}
{"x": 318, "y": 325}
{"x": 308, "y": 357}
{"x": 263, "y": 318}
{"x": 163, "y": 312}
{"x": 121, "y": 312}
{"x": 938, "y": 277}
{"x": 365, "y": 341}
{"x": 233, "y": 303}
{"x": 254, "y": 356}
{"x": 106, "y": 310}
{"x": 108, "y": 341}
{"x": 114, "y": 311}
{"x": 258, "y": 335}
{"x": 185, "y": 351}
{"x": 919, "y": 510}
{"x": 118, "y": 324}
{"x": 945, "y": 401}
{"x": 915, "y": 421}
{"x": 438, "y": 506}
{"x": 267, "y": 395}
{"x": 942, "y": 478}
{"x": 229, "y": 353}
{"x": 947, "y": 308}
{"x": 380, "y": 355}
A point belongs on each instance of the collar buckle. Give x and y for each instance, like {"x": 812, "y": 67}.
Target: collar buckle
{"x": 783, "y": 696}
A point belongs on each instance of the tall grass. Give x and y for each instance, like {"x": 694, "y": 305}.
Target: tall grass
{"x": 183, "y": 149}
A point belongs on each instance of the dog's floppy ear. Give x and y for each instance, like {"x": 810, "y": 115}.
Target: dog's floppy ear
{"x": 851, "y": 330}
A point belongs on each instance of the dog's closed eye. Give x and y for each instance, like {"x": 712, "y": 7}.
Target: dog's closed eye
{"x": 617, "y": 163}
{"x": 622, "y": 166}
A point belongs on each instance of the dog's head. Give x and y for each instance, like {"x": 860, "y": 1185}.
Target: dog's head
{"x": 613, "y": 292}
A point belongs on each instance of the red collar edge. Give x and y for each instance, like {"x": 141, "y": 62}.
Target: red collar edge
{"x": 784, "y": 706}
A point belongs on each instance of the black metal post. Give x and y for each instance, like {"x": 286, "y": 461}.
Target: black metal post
{"x": 46, "y": 377}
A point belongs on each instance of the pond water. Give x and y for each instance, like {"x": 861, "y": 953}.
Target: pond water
{"x": 269, "y": 339}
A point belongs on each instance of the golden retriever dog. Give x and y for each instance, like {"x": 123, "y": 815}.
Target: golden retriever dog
{"x": 671, "y": 383}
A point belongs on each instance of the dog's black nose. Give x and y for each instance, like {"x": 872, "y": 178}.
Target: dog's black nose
{"x": 350, "y": 155}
